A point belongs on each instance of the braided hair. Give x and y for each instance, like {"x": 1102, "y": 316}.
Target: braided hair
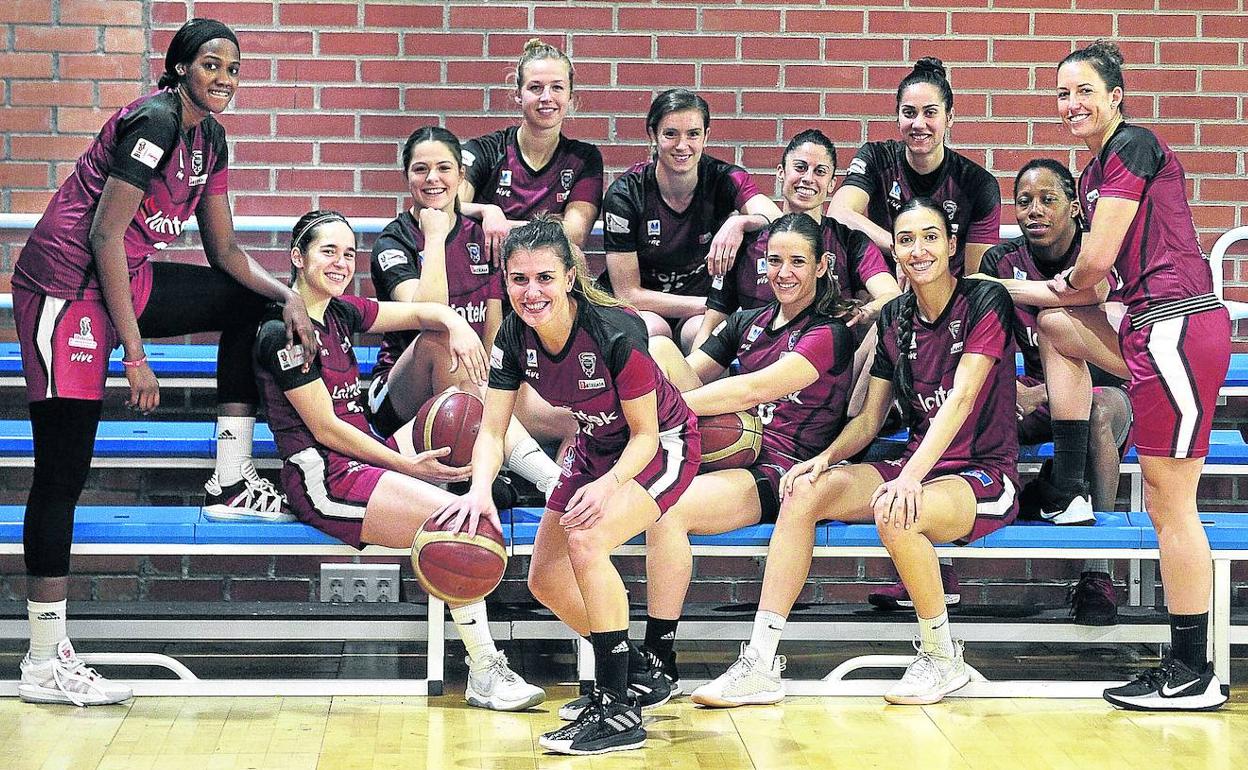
{"x": 903, "y": 377}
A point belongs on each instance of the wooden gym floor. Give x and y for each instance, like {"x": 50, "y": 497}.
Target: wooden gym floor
{"x": 369, "y": 733}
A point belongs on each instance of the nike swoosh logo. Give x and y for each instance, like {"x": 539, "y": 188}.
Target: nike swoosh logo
{"x": 773, "y": 628}
{"x": 472, "y": 622}
{"x": 1166, "y": 692}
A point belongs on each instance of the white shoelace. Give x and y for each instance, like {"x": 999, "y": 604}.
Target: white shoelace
{"x": 71, "y": 671}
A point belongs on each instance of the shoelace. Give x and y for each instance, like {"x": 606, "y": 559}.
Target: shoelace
{"x": 72, "y": 670}
{"x": 498, "y": 665}
{"x": 263, "y": 497}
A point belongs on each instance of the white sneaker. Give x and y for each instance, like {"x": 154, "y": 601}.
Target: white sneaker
{"x": 928, "y": 679}
{"x": 493, "y": 685}
{"x": 1078, "y": 512}
{"x": 249, "y": 499}
{"x": 65, "y": 679}
{"x": 749, "y": 682}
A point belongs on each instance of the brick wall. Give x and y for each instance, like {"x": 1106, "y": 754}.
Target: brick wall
{"x": 330, "y": 89}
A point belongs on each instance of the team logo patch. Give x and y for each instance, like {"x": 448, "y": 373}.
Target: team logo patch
{"x": 983, "y": 478}
{"x": 83, "y": 339}
{"x": 955, "y": 328}
{"x": 857, "y": 166}
{"x": 147, "y": 153}
{"x": 794, "y": 336}
{"x": 290, "y": 358}
{"x": 616, "y": 223}
{"x": 951, "y": 208}
{"x": 589, "y": 363}
{"x": 197, "y": 161}
{"x": 504, "y": 178}
{"x": 1020, "y": 274}
{"x": 762, "y": 265}
{"x": 652, "y": 227}
{"x": 753, "y": 333}
{"x": 474, "y": 252}
{"x": 566, "y": 178}
{"x": 391, "y": 257}
{"x": 530, "y": 357}
{"x": 496, "y": 357}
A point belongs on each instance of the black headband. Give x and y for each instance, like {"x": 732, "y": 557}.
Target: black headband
{"x": 186, "y": 43}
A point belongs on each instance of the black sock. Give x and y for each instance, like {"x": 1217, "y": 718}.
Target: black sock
{"x": 611, "y": 661}
{"x": 1189, "y": 640}
{"x": 1070, "y": 454}
{"x": 661, "y": 636}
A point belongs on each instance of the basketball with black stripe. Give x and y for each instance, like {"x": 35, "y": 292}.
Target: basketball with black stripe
{"x": 450, "y": 419}
{"x": 455, "y": 567}
{"x": 730, "y": 440}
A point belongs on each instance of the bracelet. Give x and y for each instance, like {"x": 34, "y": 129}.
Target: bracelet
{"x": 134, "y": 364}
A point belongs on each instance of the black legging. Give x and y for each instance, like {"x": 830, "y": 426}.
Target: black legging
{"x": 185, "y": 299}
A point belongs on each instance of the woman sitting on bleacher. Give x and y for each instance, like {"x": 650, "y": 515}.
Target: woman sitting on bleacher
{"x": 794, "y": 356}
{"x": 1174, "y": 344}
{"x": 946, "y": 353}
{"x": 433, "y": 253}
{"x": 338, "y": 476}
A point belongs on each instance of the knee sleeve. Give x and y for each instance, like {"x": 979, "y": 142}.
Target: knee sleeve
{"x": 64, "y": 439}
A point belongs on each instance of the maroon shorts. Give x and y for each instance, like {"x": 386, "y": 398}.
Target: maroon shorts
{"x": 1177, "y": 366}
{"x": 65, "y": 343}
{"x": 330, "y": 491}
{"x": 665, "y": 477}
{"x": 996, "y": 502}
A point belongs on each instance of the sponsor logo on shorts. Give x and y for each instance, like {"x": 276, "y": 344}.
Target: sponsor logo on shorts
{"x": 616, "y": 223}
{"x": 596, "y": 384}
{"x": 84, "y": 338}
{"x": 983, "y": 478}
{"x": 589, "y": 362}
{"x": 391, "y": 257}
{"x": 290, "y": 358}
{"x": 147, "y": 153}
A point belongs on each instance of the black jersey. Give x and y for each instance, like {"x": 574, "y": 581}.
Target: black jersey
{"x": 499, "y": 175}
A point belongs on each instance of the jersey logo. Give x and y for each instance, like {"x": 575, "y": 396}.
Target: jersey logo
{"x": 147, "y": 153}
{"x": 474, "y": 252}
{"x": 717, "y": 282}
{"x": 753, "y": 333}
{"x": 566, "y": 178}
{"x": 530, "y": 357}
{"x": 1020, "y": 274}
{"x": 467, "y": 158}
{"x": 934, "y": 401}
{"x": 794, "y": 336}
{"x": 1093, "y": 195}
{"x": 391, "y": 257}
{"x": 81, "y": 357}
{"x": 197, "y": 161}
{"x": 857, "y": 166}
{"x": 955, "y": 328}
{"x": 504, "y": 178}
{"x": 652, "y": 227}
{"x": 84, "y": 338}
{"x": 290, "y": 358}
{"x": 762, "y": 265}
{"x": 496, "y": 357}
{"x": 951, "y": 208}
{"x": 594, "y": 384}
{"x": 589, "y": 363}
{"x": 616, "y": 223}
{"x": 894, "y": 196}
{"x": 983, "y": 478}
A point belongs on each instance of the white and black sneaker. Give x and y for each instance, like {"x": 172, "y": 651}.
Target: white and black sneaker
{"x": 1065, "y": 507}
{"x": 1172, "y": 686}
{"x": 248, "y": 499}
{"x": 606, "y": 724}
{"x": 647, "y": 684}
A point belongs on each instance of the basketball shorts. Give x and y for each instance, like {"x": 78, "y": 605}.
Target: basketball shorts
{"x": 378, "y": 409}
{"x": 996, "y": 498}
{"x": 330, "y": 491}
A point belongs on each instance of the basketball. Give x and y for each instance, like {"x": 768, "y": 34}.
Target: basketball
{"x": 455, "y": 567}
{"x": 730, "y": 440}
{"x": 450, "y": 419}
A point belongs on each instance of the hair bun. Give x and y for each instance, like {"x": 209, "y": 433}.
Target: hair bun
{"x": 534, "y": 44}
{"x": 930, "y": 64}
{"x": 1107, "y": 49}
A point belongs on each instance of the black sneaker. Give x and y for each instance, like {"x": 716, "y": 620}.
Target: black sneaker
{"x": 606, "y": 724}
{"x": 647, "y": 683}
{"x": 1093, "y": 601}
{"x": 665, "y": 664}
{"x": 1172, "y": 686}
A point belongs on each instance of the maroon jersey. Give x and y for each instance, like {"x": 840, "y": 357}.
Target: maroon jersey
{"x": 471, "y": 279}
{"x": 671, "y": 245}
{"x": 1160, "y": 259}
{"x": 499, "y": 175}
{"x": 853, "y": 257}
{"x": 279, "y": 370}
{"x": 968, "y": 193}
{"x": 978, "y": 319}
{"x": 142, "y": 144}
{"x": 604, "y": 362}
{"x": 801, "y": 424}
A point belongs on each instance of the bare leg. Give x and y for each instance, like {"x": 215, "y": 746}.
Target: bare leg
{"x": 551, "y": 578}
{"x": 673, "y": 363}
{"x": 656, "y": 325}
{"x": 1070, "y": 338}
{"x": 1186, "y": 564}
{"x": 689, "y": 331}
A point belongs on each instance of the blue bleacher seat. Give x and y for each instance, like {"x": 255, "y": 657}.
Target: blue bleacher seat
{"x": 139, "y": 439}
{"x": 115, "y": 524}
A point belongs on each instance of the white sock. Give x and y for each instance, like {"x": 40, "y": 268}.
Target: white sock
{"x": 528, "y": 461}
{"x": 1096, "y": 565}
{"x": 47, "y": 628}
{"x": 765, "y": 638}
{"x": 234, "y": 436}
{"x": 935, "y": 636}
{"x": 474, "y": 629}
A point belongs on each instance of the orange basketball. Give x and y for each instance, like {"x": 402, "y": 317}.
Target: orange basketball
{"x": 731, "y": 440}
{"x": 450, "y": 419}
{"x": 455, "y": 567}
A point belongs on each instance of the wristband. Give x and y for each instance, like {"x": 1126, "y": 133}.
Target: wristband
{"x": 134, "y": 364}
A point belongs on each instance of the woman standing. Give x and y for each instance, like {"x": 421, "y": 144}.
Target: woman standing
{"x": 339, "y": 476}
{"x": 884, "y": 175}
{"x": 1174, "y": 343}
{"x": 519, "y": 172}
{"x": 85, "y": 283}
{"x": 637, "y": 450}
{"x": 946, "y": 353}
{"x": 669, "y": 224}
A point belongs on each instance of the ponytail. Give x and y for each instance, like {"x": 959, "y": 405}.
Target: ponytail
{"x": 545, "y": 231}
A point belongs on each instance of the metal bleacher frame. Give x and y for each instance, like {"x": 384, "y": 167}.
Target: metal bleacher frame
{"x": 434, "y": 630}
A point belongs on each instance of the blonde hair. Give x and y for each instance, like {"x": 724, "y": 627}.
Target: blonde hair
{"x": 536, "y": 49}
{"x": 545, "y": 231}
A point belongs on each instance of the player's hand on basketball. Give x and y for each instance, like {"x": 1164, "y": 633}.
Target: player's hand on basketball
{"x": 435, "y": 224}
{"x": 299, "y": 329}
{"x": 144, "y": 388}
{"x": 807, "y": 472}
{"x": 723, "y": 252}
{"x": 466, "y": 511}
{"x": 587, "y": 506}
{"x": 428, "y": 466}
{"x": 897, "y": 503}
{"x": 495, "y": 225}
{"x": 467, "y": 352}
